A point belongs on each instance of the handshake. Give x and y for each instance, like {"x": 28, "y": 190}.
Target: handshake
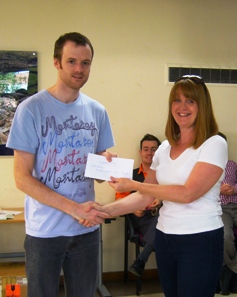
{"x": 92, "y": 214}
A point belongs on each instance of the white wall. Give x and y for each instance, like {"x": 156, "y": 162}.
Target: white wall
{"x": 134, "y": 41}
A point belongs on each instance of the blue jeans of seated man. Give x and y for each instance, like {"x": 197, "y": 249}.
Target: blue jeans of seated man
{"x": 229, "y": 218}
{"x": 189, "y": 265}
{"x": 77, "y": 256}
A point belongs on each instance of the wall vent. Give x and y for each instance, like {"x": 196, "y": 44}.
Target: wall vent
{"x": 209, "y": 75}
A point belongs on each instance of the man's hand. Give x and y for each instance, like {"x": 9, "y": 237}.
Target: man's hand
{"x": 227, "y": 189}
{"x": 88, "y": 214}
{"x": 139, "y": 213}
{"x": 108, "y": 155}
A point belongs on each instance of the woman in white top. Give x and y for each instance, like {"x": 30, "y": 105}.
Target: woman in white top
{"x": 185, "y": 175}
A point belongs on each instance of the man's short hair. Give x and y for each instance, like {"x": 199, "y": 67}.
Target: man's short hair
{"x": 76, "y": 37}
{"x": 149, "y": 137}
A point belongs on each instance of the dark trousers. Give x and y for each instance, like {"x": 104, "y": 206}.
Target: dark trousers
{"x": 189, "y": 265}
{"x": 76, "y": 255}
{"x": 229, "y": 218}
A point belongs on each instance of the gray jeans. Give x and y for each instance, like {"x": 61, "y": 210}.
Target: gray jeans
{"x": 78, "y": 258}
{"x": 229, "y": 218}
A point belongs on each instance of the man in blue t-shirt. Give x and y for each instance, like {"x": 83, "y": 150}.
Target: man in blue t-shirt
{"x": 52, "y": 133}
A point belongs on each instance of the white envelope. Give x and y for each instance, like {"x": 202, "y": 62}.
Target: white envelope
{"x": 99, "y": 168}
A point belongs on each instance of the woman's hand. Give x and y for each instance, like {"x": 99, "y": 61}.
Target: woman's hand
{"x": 122, "y": 184}
{"x": 155, "y": 203}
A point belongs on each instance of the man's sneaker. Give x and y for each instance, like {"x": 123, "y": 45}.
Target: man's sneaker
{"x": 233, "y": 284}
{"x": 137, "y": 267}
{"x": 225, "y": 280}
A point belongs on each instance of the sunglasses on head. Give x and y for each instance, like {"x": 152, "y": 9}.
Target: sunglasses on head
{"x": 194, "y": 78}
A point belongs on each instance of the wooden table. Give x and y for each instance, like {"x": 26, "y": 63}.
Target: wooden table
{"x": 10, "y": 237}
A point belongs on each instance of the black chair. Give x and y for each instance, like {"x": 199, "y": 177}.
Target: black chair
{"x": 131, "y": 235}
{"x": 218, "y": 289}
{"x": 235, "y": 234}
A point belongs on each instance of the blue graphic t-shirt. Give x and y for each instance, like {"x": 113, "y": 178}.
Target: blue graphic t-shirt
{"x": 61, "y": 136}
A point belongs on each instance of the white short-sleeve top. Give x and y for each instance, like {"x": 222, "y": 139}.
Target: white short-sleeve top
{"x": 203, "y": 214}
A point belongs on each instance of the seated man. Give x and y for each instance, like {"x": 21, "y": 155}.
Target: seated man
{"x": 144, "y": 221}
{"x": 228, "y": 197}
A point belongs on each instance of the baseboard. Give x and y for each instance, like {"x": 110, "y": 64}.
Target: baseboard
{"x": 119, "y": 276}
{"x": 18, "y": 269}
{"x": 12, "y": 269}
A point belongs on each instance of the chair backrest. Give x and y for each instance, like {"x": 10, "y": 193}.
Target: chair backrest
{"x": 235, "y": 231}
{"x": 235, "y": 234}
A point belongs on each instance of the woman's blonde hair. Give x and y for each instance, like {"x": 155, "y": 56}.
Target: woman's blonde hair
{"x": 205, "y": 125}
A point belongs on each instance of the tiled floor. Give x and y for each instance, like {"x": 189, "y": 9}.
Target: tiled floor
{"x": 150, "y": 288}
{"x": 119, "y": 288}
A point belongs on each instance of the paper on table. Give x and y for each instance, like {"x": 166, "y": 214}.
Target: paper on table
{"x": 98, "y": 167}
{"x": 8, "y": 214}
{"x": 4, "y": 216}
